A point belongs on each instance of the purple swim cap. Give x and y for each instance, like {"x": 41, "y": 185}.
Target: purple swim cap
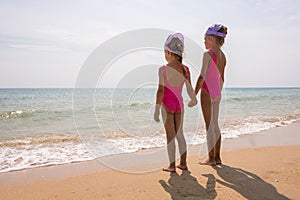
{"x": 175, "y": 44}
{"x": 213, "y": 30}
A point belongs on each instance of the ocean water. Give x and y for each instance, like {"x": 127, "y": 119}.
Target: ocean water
{"x": 41, "y": 127}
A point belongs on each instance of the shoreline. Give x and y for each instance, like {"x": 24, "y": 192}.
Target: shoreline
{"x": 137, "y": 160}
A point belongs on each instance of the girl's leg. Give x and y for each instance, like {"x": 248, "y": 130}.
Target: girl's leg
{"x": 169, "y": 125}
{"x": 181, "y": 140}
{"x": 216, "y": 106}
{"x": 206, "y": 106}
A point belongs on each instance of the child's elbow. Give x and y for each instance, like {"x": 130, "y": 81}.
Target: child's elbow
{"x": 160, "y": 91}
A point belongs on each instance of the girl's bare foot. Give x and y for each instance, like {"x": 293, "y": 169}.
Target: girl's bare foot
{"x": 169, "y": 169}
{"x": 182, "y": 167}
{"x": 208, "y": 162}
{"x": 218, "y": 161}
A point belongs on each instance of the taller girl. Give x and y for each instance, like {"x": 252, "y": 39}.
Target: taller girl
{"x": 211, "y": 82}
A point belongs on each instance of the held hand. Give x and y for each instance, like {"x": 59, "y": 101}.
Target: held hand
{"x": 192, "y": 103}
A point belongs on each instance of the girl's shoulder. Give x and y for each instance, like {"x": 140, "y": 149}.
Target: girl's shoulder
{"x": 213, "y": 51}
{"x": 162, "y": 67}
{"x": 207, "y": 57}
{"x": 185, "y": 67}
{"x": 207, "y": 54}
{"x": 186, "y": 70}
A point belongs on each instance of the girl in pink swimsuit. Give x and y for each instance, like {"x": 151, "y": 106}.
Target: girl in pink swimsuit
{"x": 211, "y": 81}
{"x": 169, "y": 99}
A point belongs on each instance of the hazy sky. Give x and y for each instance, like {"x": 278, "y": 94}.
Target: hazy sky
{"x": 45, "y": 43}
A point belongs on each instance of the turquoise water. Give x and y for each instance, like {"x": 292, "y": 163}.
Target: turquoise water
{"x": 41, "y": 127}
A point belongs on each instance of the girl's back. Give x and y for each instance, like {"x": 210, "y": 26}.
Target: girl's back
{"x": 175, "y": 74}
{"x": 221, "y": 63}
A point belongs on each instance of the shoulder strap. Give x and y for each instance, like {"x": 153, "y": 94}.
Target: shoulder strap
{"x": 164, "y": 67}
{"x": 165, "y": 74}
{"x": 214, "y": 55}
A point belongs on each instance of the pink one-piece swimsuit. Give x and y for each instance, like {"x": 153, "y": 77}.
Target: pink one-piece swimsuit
{"x": 212, "y": 78}
{"x": 172, "y": 99}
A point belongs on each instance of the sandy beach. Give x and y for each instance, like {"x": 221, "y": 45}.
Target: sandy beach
{"x": 265, "y": 165}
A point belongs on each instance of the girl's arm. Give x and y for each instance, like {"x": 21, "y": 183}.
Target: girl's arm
{"x": 199, "y": 84}
{"x": 159, "y": 94}
{"x": 222, "y": 76}
{"x": 190, "y": 89}
{"x": 201, "y": 79}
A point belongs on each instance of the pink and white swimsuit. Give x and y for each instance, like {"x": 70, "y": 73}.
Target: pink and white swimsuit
{"x": 212, "y": 78}
{"x": 172, "y": 98}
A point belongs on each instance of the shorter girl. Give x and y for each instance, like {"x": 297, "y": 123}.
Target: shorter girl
{"x": 169, "y": 94}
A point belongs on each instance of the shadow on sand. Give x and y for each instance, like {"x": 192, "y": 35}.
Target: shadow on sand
{"x": 247, "y": 184}
{"x": 185, "y": 186}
